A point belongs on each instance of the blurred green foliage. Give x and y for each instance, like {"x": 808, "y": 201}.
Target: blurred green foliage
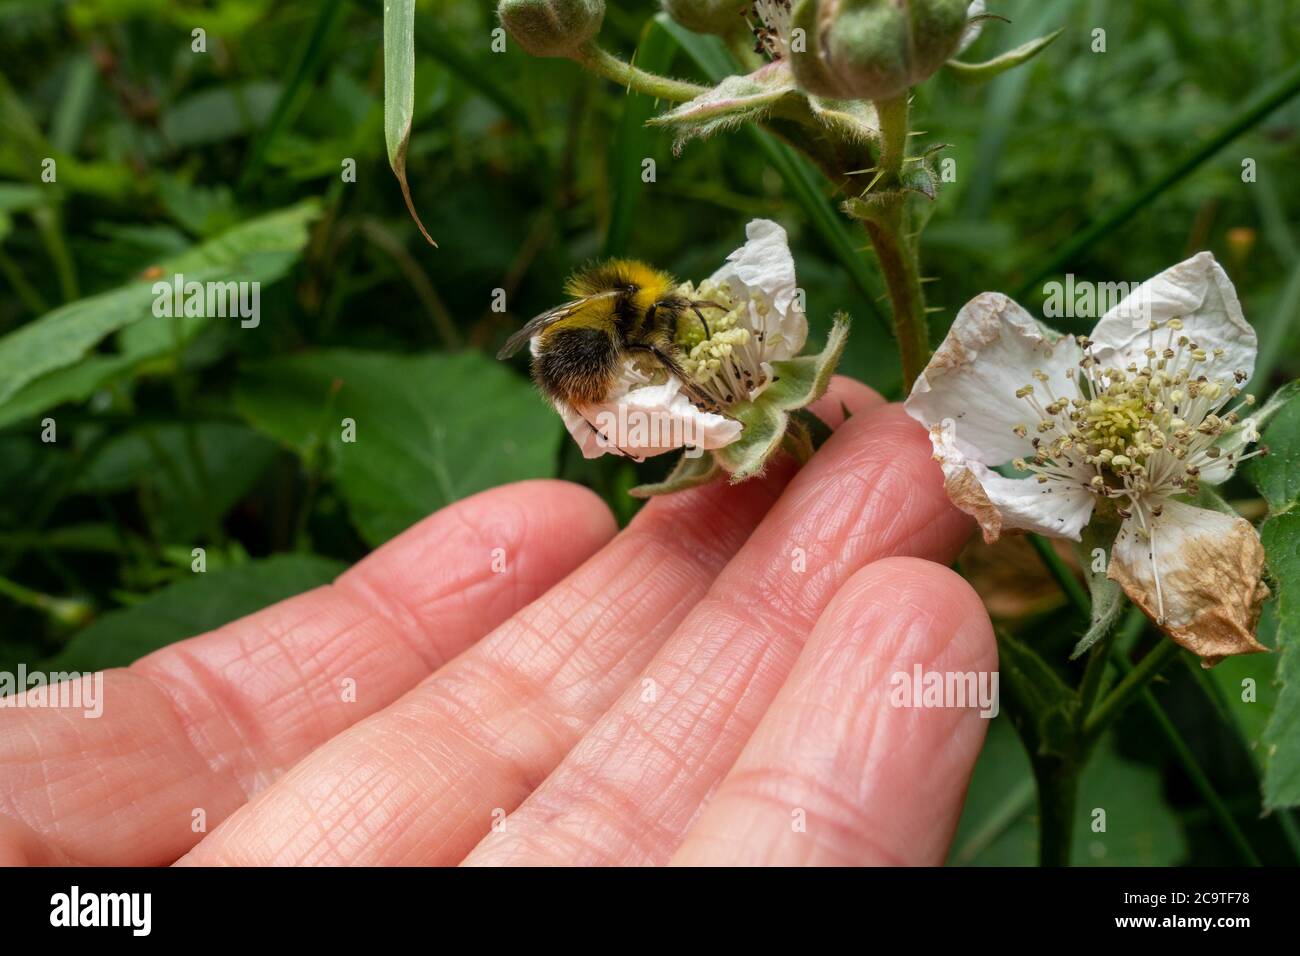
{"x": 176, "y": 434}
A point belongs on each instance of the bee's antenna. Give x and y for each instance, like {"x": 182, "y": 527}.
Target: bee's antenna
{"x": 695, "y": 306}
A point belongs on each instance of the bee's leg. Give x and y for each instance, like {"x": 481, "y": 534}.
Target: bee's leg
{"x": 622, "y": 453}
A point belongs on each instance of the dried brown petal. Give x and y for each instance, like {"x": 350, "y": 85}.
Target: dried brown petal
{"x": 1211, "y": 588}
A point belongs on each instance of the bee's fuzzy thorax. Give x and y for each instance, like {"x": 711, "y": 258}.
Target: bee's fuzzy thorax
{"x": 645, "y": 285}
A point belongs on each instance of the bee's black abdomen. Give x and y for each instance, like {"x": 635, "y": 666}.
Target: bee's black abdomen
{"x": 577, "y": 365}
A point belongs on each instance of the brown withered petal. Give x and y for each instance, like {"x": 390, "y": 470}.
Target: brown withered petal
{"x": 968, "y": 494}
{"x": 1204, "y": 569}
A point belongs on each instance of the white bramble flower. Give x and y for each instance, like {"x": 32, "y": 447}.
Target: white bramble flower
{"x": 1124, "y": 425}
{"x": 744, "y": 377}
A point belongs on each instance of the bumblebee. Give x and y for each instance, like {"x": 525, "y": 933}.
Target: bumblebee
{"x": 617, "y": 307}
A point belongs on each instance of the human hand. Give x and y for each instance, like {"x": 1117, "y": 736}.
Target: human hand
{"x": 708, "y": 686}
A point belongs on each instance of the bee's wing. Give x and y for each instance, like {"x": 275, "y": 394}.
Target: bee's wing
{"x": 539, "y": 322}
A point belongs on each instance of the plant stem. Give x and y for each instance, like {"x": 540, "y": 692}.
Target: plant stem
{"x": 1062, "y": 574}
{"x": 893, "y": 137}
{"x": 898, "y": 256}
{"x": 1129, "y": 687}
{"x": 1058, "y": 789}
{"x": 611, "y": 67}
{"x": 1094, "y": 674}
{"x": 903, "y": 280}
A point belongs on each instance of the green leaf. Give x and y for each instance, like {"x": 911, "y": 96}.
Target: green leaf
{"x": 191, "y": 607}
{"x": 260, "y": 250}
{"x": 428, "y": 429}
{"x": 687, "y": 473}
{"x": 979, "y": 72}
{"x": 193, "y": 474}
{"x": 399, "y": 93}
{"x": 1277, "y": 476}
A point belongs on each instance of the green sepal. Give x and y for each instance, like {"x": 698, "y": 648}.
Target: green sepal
{"x": 736, "y": 100}
{"x": 920, "y": 179}
{"x": 1108, "y": 601}
{"x": 800, "y": 381}
{"x": 854, "y": 121}
{"x": 687, "y": 473}
{"x": 762, "y": 434}
{"x": 979, "y": 72}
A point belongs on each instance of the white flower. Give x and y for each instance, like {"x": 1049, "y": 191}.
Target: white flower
{"x": 1142, "y": 413}
{"x": 761, "y": 320}
{"x": 773, "y": 29}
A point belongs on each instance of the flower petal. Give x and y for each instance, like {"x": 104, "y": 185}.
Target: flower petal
{"x": 1054, "y": 508}
{"x": 761, "y": 273}
{"x": 992, "y": 350}
{"x": 647, "y": 420}
{"x": 974, "y": 25}
{"x": 1210, "y": 578}
{"x": 1197, "y": 291}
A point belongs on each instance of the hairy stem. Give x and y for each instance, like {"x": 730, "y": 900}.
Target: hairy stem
{"x": 897, "y": 255}
{"x": 606, "y": 64}
{"x": 893, "y": 137}
{"x": 903, "y": 280}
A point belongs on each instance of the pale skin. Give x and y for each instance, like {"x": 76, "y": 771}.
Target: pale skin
{"x": 687, "y": 690}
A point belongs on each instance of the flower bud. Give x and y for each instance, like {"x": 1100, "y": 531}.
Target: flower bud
{"x": 552, "y": 27}
{"x": 875, "y": 49}
{"x": 721, "y": 17}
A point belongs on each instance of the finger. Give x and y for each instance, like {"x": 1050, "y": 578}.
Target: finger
{"x": 421, "y": 782}
{"x": 842, "y": 768}
{"x": 633, "y": 785}
{"x": 190, "y": 732}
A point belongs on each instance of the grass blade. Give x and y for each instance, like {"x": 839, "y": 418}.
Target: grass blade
{"x": 399, "y": 93}
{"x": 306, "y": 64}
{"x": 634, "y": 140}
{"x": 1287, "y": 86}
